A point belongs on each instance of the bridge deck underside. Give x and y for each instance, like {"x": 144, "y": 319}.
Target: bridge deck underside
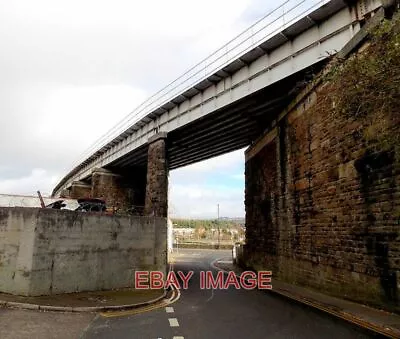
{"x": 225, "y": 130}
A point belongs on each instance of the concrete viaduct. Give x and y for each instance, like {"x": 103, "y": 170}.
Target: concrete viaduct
{"x": 220, "y": 105}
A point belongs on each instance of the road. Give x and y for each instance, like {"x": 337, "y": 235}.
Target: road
{"x": 221, "y": 313}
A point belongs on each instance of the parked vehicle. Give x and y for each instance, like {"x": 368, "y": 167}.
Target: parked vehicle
{"x": 80, "y": 205}
{"x": 91, "y": 205}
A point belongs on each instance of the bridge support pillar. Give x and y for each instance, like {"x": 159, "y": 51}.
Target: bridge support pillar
{"x": 79, "y": 190}
{"x": 66, "y": 193}
{"x": 110, "y": 187}
{"x": 157, "y": 177}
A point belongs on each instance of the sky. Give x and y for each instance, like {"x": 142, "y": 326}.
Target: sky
{"x": 70, "y": 70}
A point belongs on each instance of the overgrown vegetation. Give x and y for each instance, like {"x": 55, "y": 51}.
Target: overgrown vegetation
{"x": 366, "y": 87}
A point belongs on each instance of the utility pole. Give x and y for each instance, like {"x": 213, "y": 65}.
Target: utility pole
{"x": 218, "y": 225}
{"x": 41, "y": 200}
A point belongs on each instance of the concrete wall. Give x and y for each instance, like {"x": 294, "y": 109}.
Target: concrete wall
{"x": 44, "y": 251}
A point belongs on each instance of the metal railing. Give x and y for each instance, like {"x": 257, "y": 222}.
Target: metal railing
{"x": 272, "y": 23}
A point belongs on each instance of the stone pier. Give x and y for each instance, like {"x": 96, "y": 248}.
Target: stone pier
{"x": 120, "y": 191}
{"x": 79, "y": 189}
{"x": 156, "y": 203}
{"x": 134, "y": 188}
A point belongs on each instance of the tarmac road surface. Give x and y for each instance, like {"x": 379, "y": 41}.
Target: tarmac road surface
{"x": 218, "y": 313}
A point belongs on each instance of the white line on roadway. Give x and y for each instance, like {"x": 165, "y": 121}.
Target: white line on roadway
{"x": 173, "y": 322}
{"x": 169, "y": 309}
{"x": 180, "y": 337}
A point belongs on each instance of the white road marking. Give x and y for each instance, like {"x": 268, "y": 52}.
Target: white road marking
{"x": 211, "y": 297}
{"x": 180, "y": 337}
{"x": 224, "y": 261}
{"x": 169, "y": 309}
{"x": 173, "y": 322}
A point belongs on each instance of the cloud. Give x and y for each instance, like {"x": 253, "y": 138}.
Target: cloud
{"x": 49, "y": 127}
{"x": 142, "y": 44}
{"x": 200, "y": 201}
{"x": 223, "y": 165}
{"x": 70, "y": 70}
{"x": 196, "y": 190}
{"x": 38, "y": 179}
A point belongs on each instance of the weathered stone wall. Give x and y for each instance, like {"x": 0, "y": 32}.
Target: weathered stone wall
{"x": 323, "y": 201}
{"x": 261, "y": 193}
{"x": 157, "y": 177}
{"x": 120, "y": 191}
{"x": 45, "y": 251}
{"x": 79, "y": 190}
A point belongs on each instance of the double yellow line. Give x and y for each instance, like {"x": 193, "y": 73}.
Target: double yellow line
{"x": 175, "y": 295}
